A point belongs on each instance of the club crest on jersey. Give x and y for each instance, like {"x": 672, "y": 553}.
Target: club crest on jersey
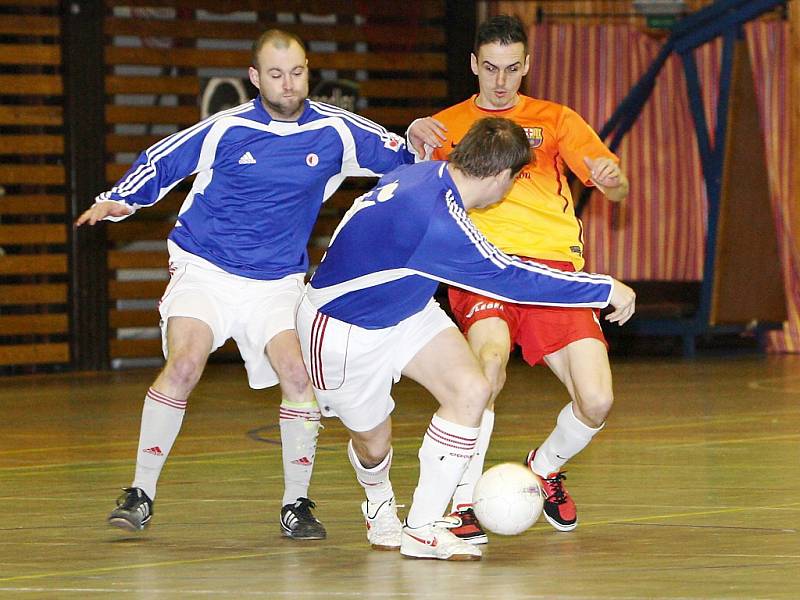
{"x": 312, "y": 160}
{"x": 393, "y": 142}
{"x": 535, "y": 136}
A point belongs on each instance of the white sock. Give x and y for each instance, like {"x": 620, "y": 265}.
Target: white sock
{"x": 300, "y": 425}
{"x": 474, "y": 470}
{"x": 161, "y": 421}
{"x": 443, "y": 456}
{"x": 375, "y": 480}
{"x": 568, "y": 438}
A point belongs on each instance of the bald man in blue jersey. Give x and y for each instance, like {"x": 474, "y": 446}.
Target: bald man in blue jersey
{"x": 368, "y": 317}
{"x": 238, "y": 256}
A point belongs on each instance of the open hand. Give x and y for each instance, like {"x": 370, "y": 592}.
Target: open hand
{"x": 426, "y": 133}
{"x": 101, "y": 210}
{"x": 623, "y": 299}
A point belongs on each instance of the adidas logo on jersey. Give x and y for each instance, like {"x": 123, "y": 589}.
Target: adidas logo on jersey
{"x": 247, "y": 159}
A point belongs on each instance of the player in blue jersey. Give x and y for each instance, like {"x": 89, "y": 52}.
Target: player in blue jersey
{"x": 238, "y": 255}
{"x": 368, "y": 317}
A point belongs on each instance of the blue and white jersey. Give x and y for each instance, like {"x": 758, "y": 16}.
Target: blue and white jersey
{"x": 398, "y": 241}
{"x": 260, "y": 181}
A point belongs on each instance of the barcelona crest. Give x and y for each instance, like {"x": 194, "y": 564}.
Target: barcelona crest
{"x": 535, "y": 136}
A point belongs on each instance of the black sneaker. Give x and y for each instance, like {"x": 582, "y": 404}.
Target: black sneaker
{"x": 134, "y": 510}
{"x": 559, "y": 508}
{"x": 298, "y": 523}
{"x": 469, "y": 529}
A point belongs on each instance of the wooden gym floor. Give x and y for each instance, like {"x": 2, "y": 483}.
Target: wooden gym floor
{"x": 693, "y": 491}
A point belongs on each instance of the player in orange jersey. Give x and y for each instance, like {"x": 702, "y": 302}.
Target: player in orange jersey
{"x": 536, "y": 220}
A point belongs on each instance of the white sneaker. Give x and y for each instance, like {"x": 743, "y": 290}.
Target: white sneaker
{"x": 436, "y": 541}
{"x": 384, "y": 529}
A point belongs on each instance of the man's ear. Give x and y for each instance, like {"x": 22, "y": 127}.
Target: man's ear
{"x": 473, "y": 62}
{"x": 252, "y": 73}
{"x": 502, "y": 177}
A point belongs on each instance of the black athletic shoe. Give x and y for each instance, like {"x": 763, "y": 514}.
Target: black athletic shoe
{"x": 298, "y": 523}
{"x": 470, "y": 529}
{"x": 559, "y": 508}
{"x": 134, "y": 510}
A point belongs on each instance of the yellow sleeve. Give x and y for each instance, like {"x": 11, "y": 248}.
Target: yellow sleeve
{"x": 576, "y": 140}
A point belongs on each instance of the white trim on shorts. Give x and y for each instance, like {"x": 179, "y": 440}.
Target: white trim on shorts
{"x": 352, "y": 369}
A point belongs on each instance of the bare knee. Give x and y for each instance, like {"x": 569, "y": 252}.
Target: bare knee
{"x": 473, "y": 394}
{"x": 183, "y": 371}
{"x": 594, "y": 408}
{"x": 293, "y": 375}
{"x": 371, "y": 455}
{"x": 372, "y": 448}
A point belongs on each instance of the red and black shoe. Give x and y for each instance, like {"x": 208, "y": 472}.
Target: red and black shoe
{"x": 559, "y": 507}
{"x": 470, "y": 529}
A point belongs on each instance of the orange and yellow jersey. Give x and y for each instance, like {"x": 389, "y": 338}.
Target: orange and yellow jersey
{"x": 537, "y": 217}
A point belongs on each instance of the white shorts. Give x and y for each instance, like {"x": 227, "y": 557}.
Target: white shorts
{"x": 352, "y": 369}
{"x": 250, "y": 311}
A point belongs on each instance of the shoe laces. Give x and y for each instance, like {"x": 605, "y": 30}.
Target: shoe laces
{"x": 555, "y": 489}
{"x": 302, "y": 508}
{"x": 467, "y": 517}
{"x": 387, "y": 514}
{"x": 447, "y": 523}
{"x": 130, "y": 498}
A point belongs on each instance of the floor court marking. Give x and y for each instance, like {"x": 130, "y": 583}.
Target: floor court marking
{"x": 352, "y": 544}
{"x": 170, "y": 563}
{"x": 294, "y": 593}
{"x": 751, "y": 440}
{"x": 113, "y": 444}
{"x": 255, "y": 452}
{"x": 689, "y": 422}
{"x": 725, "y": 527}
{"x": 764, "y": 384}
{"x": 688, "y": 514}
{"x": 694, "y": 423}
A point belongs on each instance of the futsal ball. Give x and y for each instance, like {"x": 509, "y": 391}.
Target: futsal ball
{"x": 507, "y": 499}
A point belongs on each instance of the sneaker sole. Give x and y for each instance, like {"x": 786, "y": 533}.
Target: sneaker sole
{"x": 560, "y": 526}
{"x": 126, "y": 525}
{"x": 454, "y": 557}
{"x": 384, "y": 548}
{"x": 304, "y": 538}
{"x": 288, "y": 534}
{"x": 477, "y": 540}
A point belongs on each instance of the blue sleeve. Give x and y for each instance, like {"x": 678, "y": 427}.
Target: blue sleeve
{"x": 376, "y": 149}
{"x": 160, "y": 168}
{"x": 455, "y": 252}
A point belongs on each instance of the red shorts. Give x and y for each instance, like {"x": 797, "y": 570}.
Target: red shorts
{"x": 538, "y": 330}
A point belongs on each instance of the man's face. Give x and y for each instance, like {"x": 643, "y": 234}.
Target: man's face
{"x": 500, "y": 69}
{"x": 282, "y": 79}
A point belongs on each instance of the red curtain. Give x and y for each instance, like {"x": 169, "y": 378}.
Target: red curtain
{"x": 658, "y": 233}
{"x": 768, "y": 43}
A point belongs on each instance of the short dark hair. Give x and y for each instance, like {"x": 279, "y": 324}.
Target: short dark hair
{"x": 278, "y": 38}
{"x": 491, "y": 146}
{"x": 503, "y": 29}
